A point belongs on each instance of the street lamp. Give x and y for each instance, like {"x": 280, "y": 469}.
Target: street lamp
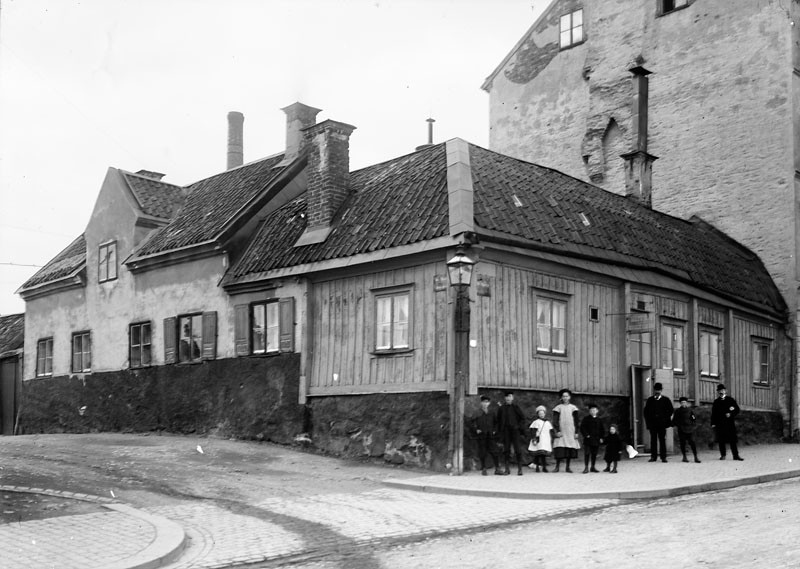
{"x": 459, "y": 269}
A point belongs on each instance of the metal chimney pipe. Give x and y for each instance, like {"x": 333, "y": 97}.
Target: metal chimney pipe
{"x": 235, "y": 139}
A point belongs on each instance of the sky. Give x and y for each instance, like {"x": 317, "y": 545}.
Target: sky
{"x": 147, "y": 84}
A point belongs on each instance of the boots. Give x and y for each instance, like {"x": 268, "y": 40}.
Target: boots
{"x": 608, "y": 467}
{"x": 567, "y": 469}
{"x": 558, "y": 466}
{"x": 685, "y": 459}
{"x": 519, "y": 470}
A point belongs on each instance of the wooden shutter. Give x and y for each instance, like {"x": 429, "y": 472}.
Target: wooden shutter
{"x": 169, "y": 340}
{"x": 209, "y": 335}
{"x": 286, "y": 327}
{"x": 241, "y": 329}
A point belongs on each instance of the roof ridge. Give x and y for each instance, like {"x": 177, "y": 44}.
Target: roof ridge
{"x": 245, "y": 165}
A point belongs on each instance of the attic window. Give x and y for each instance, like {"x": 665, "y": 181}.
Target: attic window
{"x": 571, "y": 29}
{"x": 667, "y": 6}
{"x": 517, "y": 201}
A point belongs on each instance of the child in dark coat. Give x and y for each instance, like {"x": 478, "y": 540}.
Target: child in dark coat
{"x": 685, "y": 422}
{"x": 593, "y": 433}
{"x": 613, "y": 450}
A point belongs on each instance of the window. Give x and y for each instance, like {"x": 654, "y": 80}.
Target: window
{"x": 81, "y": 352}
{"x": 391, "y": 321}
{"x": 594, "y": 314}
{"x": 107, "y": 262}
{"x": 672, "y": 347}
{"x": 44, "y": 357}
{"x": 571, "y": 29}
{"x": 551, "y": 326}
{"x": 670, "y": 5}
{"x": 190, "y": 338}
{"x": 641, "y": 348}
{"x": 140, "y": 345}
{"x": 265, "y": 326}
{"x": 761, "y": 362}
{"x": 709, "y": 353}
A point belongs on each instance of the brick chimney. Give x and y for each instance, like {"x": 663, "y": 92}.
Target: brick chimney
{"x": 235, "y": 139}
{"x": 328, "y": 175}
{"x": 298, "y": 117}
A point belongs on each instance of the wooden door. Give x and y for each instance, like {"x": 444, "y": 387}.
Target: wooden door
{"x": 8, "y": 403}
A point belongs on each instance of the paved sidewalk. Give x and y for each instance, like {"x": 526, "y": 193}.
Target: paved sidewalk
{"x": 637, "y": 478}
{"x": 278, "y": 520}
{"x": 120, "y": 538}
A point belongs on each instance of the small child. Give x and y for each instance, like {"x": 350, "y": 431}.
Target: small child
{"x": 593, "y": 433}
{"x": 541, "y": 439}
{"x": 613, "y": 450}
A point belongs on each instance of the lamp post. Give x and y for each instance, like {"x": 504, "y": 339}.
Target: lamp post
{"x": 459, "y": 269}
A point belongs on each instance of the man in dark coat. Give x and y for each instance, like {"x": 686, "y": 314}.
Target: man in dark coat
{"x": 484, "y": 425}
{"x": 657, "y": 418}
{"x": 511, "y": 425}
{"x": 685, "y": 422}
{"x": 723, "y": 414}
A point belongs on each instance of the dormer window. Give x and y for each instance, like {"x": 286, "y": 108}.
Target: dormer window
{"x": 107, "y": 262}
{"x": 571, "y": 29}
{"x": 668, "y": 6}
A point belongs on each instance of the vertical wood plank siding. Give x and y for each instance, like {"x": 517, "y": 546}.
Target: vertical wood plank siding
{"x": 741, "y": 385}
{"x": 344, "y": 335}
{"x": 506, "y": 332}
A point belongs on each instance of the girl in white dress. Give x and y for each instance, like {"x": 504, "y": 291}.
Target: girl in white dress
{"x": 541, "y": 439}
{"x": 565, "y": 421}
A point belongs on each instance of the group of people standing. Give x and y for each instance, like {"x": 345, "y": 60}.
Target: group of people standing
{"x": 659, "y": 415}
{"x": 562, "y": 437}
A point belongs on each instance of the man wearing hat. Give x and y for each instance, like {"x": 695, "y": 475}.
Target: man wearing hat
{"x": 658, "y": 418}
{"x": 685, "y": 422}
{"x": 723, "y": 415}
{"x": 484, "y": 425}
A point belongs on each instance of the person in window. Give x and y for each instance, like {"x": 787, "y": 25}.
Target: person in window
{"x": 565, "y": 421}
{"x": 484, "y": 425}
{"x": 723, "y": 414}
{"x": 511, "y": 425}
{"x": 658, "y": 418}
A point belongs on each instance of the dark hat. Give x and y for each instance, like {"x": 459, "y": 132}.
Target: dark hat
{"x": 613, "y": 426}
{"x": 721, "y": 386}
{"x": 507, "y": 393}
{"x": 485, "y": 398}
{"x": 563, "y": 391}
{"x": 658, "y": 387}
{"x": 683, "y": 399}
{"x": 593, "y": 406}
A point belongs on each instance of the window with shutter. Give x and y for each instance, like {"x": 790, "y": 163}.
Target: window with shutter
{"x": 287, "y": 324}
{"x": 209, "y": 335}
{"x": 241, "y": 325}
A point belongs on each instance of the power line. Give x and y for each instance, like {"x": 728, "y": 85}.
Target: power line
{"x": 21, "y": 265}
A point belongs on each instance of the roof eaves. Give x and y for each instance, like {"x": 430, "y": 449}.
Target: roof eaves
{"x": 66, "y": 282}
{"x": 171, "y": 256}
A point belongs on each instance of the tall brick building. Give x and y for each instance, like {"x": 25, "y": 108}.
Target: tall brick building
{"x": 688, "y": 105}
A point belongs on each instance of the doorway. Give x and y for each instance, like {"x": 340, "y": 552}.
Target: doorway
{"x": 8, "y": 392}
{"x": 641, "y": 389}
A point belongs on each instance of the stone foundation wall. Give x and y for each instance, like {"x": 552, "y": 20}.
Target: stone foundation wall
{"x": 752, "y": 427}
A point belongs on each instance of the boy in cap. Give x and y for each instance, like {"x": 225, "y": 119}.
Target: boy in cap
{"x": 593, "y": 433}
{"x": 658, "y": 417}
{"x": 511, "y": 425}
{"x": 485, "y": 426}
{"x": 723, "y": 415}
{"x": 685, "y": 422}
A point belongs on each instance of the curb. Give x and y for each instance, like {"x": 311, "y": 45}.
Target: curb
{"x": 167, "y": 546}
{"x": 624, "y": 495}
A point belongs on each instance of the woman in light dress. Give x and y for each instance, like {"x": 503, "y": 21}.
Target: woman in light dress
{"x": 565, "y": 421}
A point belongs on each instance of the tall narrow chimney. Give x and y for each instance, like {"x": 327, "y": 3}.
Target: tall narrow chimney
{"x": 235, "y": 139}
{"x": 638, "y": 162}
{"x": 298, "y": 117}
{"x": 328, "y": 175}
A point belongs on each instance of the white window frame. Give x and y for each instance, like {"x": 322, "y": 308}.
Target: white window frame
{"x": 44, "y": 357}
{"x": 709, "y": 352}
{"x": 637, "y": 347}
{"x": 191, "y": 319}
{"x": 141, "y": 347}
{"x": 106, "y": 270}
{"x": 761, "y": 365}
{"x": 393, "y": 332}
{"x": 269, "y": 331}
{"x": 676, "y": 347}
{"x": 82, "y": 352}
{"x": 571, "y": 29}
{"x": 545, "y": 328}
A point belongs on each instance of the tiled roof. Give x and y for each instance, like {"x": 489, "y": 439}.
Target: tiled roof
{"x": 404, "y": 201}
{"x": 394, "y": 203}
{"x": 210, "y": 203}
{"x": 62, "y": 265}
{"x": 156, "y": 198}
{"x": 553, "y": 208}
{"x": 12, "y": 332}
